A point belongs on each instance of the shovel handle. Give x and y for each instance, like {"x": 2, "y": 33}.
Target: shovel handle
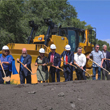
{"x": 83, "y": 69}
{"x": 58, "y": 68}
{"x": 25, "y": 67}
{"x": 69, "y": 64}
{"x": 100, "y": 66}
{"x": 2, "y": 69}
{"x": 36, "y": 74}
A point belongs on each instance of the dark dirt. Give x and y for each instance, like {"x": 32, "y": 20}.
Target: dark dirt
{"x": 75, "y": 95}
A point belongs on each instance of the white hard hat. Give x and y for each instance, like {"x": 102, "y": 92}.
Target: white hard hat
{"x": 5, "y": 47}
{"x": 67, "y": 47}
{"x": 53, "y": 46}
{"x": 41, "y": 50}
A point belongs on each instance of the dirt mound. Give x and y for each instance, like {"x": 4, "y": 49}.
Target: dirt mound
{"x": 75, "y": 95}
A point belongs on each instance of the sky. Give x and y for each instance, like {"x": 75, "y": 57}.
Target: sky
{"x": 96, "y": 13}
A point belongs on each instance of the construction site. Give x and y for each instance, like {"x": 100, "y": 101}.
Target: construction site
{"x": 52, "y": 60}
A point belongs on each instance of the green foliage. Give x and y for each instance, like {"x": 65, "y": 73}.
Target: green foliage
{"x": 15, "y": 14}
{"x": 101, "y": 43}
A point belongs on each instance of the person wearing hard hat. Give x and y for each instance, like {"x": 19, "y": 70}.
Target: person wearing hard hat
{"x": 42, "y": 70}
{"x": 24, "y": 73}
{"x": 54, "y": 58}
{"x": 68, "y": 57}
{"x": 5, "y": 61}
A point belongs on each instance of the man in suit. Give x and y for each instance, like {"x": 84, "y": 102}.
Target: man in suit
{"x": 68, "y": 56}
{"x": 24, "y": 73}
{"x": 106, "y": 63}
{"x": 54, "y": 58}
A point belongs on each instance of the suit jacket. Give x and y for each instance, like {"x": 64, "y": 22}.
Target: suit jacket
{"x": 27, "y": 60}
{"x": 107, "y": 61}
{"x": 70, "y": 59}
{"x": 57, "y": 60}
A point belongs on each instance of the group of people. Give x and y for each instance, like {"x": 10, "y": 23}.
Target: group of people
{"x": 70, "y": 60}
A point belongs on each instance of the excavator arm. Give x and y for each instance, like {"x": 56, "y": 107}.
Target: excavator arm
{"x": 34, "y": 28}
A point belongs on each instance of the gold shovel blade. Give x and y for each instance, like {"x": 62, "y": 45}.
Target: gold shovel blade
{"x": 7, "y": 79}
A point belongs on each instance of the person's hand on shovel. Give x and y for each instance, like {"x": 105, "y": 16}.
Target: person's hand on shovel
{"x": 1, "y": 62}
{"x": 44, "y": 64}
{"x": 57, "y": 67}
{"x": 88, "y": 57}
{"x": 61, "y": 59}
{"x": 81, "y": 67}
{"x": 17, "y": 59}
{"x": 104, "y": 58}
{"x": 35, "y": 64}
{"x": 25, "y": 65}
{"x": 71, "y": 63}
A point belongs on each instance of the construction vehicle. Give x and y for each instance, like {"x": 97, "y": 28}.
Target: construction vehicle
{"x": 60, "y": 36}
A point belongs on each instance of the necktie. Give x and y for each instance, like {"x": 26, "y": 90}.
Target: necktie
{"x": 66, "y": 58}
{"x": 52, "y": 58}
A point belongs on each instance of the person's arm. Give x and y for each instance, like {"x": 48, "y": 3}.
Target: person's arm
{"x": 49, "y": 58}
{"x": 59, "y": 61}
{"x": 72, "y": 58}
{"x": 102, "y": 58}
{"x": 29, "y": 61}
{"x": 102, "y": 62}
{"x": 90, "y": 55}
{"x": 84, "y": 61}
{"x": 18, "y": 60}
{"x": 45, "y": 62}
{"x": 36, "y": 61}
{"x": 8, "y": 62}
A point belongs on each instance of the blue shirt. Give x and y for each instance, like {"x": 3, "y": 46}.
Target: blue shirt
{"x": 22, "y": 59}
{"x": 97, "y": 57}
{"x": 5, "y": 59}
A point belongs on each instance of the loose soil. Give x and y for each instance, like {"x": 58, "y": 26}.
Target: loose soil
{"x": 74, "y": 95}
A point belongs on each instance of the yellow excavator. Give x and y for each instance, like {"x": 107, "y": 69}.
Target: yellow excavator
{"x": 60, "y": 36}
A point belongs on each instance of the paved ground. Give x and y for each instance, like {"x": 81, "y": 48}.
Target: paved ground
{"x": 75, "y": 95}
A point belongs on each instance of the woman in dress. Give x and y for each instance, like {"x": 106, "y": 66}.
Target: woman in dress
{"x": 42, "y": 70}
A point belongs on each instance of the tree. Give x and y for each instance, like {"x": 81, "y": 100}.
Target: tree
{"x": 14, "y": 17}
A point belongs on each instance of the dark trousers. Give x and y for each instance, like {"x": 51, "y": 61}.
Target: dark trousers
{"x": 80, "y": 74}
{"x": 52, "y": 72}
{"x": 8, "y": 73}
{"x": 23, "y": 77}
{"x": 67, "y": 76}
{"x": 105, "y": 73}
{"x": 68, "y": 73}
{"x": 71, "y": 76}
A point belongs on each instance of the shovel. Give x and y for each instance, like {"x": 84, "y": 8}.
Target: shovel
{"x": 83, "y": 70}
{"x": 47, "y": 64}
{"x": 25, "y": 67}
{"x": 100, "y": 66}
{"x": 50, "y": 64}
{"x": 7, "y": 79}
{"x": 69, "y": 64}
{"x": 57, "y": 68}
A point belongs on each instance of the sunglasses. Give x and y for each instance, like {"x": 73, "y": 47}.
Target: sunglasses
{"x": 6, "y": 50}
{"x": 97, "y": 47}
